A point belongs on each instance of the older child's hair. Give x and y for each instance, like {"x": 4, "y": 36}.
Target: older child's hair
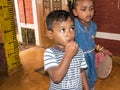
{"x": 74, "y": 4}
{"x": 57, "y": 15}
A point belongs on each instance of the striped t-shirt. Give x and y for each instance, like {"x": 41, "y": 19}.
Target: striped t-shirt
{"x": 72, "y": 80}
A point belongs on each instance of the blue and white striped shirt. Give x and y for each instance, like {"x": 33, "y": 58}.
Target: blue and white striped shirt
{"x": 72, "y": 80}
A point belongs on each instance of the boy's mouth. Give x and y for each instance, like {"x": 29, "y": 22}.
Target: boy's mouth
{"x": 70, "y": 40}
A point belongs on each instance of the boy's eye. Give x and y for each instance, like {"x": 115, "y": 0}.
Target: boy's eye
{"x": 72, "y": 28}
{"x": 62, "y": 30}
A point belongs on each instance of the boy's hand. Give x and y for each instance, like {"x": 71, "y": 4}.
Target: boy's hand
{"x": 71, "y": 49}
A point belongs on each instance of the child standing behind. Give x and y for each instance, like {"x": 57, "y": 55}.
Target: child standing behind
{"x": 83, "y": 10}
{"x": 64, "y": 62}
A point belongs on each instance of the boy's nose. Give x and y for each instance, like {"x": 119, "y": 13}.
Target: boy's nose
{"x": 68, "y": 33}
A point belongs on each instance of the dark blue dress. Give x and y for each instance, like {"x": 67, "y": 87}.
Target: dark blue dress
{"x": 84, "y": 37}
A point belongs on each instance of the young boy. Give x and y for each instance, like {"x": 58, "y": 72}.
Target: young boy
{"x": 64, "y": 62}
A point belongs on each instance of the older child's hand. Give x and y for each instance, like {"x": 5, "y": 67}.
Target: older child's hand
{"x": 71, "y": 48}
{"x": 99, "y": 48}
{"x": 106, "y": 52}
{"x": 103, "y": 50}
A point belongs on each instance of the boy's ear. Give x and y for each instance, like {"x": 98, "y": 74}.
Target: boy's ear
{"x": 74, "y": 12}
{"x": 50, "y": 34}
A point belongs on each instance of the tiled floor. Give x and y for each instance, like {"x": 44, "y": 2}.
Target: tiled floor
{"x": 27, "y": 79}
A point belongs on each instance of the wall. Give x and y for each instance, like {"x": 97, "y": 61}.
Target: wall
{"x": 108, "y": 22}
{"x": 106, "y": 17}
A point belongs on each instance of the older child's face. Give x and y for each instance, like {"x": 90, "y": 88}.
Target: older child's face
{"x": 63, "y": 32}
{"x": 84, "y": 10}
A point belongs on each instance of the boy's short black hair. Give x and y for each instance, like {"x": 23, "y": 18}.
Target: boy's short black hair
{"x": 57, "y": 15}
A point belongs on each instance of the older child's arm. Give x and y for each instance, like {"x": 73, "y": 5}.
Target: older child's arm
{"x": 84, "y": 80}
{"x": 58, "y": 73}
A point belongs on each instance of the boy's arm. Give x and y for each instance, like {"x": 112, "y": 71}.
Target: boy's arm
{"x": 84, "y": 80}
{"x": 57, "y": 73}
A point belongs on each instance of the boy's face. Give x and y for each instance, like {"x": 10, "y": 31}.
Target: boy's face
{"x": 84, "y": 10}
{"x": 63, "y": 32}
